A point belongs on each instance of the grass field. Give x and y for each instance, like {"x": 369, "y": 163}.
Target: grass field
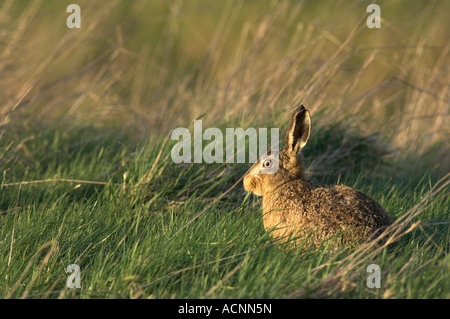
{"x": 86, "y": 175}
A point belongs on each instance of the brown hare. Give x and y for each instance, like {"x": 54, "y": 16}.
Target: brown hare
{"x": 294, "y": 207}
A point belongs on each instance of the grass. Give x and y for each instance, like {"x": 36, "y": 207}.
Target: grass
{"x": 173, "y": 238}
{"x": 86, "y": 175}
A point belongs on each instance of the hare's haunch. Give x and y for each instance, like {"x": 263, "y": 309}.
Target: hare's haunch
{"x": 292, "y": 206}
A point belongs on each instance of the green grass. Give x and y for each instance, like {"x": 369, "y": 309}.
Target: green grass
{"x": 166, "y": 234}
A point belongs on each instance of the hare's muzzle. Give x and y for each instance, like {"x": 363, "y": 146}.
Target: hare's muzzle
{"x": 250, "y": 183}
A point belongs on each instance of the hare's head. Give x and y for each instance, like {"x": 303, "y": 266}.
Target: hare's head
{"x": 273, "y": 169}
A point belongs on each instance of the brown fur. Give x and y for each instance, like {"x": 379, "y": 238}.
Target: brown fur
{"x": 292, "y": 206}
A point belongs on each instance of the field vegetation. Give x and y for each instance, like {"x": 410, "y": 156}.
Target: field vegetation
{"x": 86, "y": 175}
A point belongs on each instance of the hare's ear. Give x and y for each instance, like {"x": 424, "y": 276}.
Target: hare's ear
{"x": 298, "y": 131}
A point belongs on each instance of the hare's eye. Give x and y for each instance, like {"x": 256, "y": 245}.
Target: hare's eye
{"x": 267, "y": 163}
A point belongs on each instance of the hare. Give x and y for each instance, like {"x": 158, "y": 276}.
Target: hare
{"x": 294, "y": 207}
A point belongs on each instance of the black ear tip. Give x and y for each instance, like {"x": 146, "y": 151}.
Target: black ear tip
{"x": 300, "y": 108}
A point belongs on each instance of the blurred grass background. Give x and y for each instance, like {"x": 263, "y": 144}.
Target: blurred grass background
{"x": 150, "y": 66}
{"x": 95, "y": 105}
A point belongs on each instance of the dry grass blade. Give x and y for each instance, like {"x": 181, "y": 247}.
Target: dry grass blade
{"x": 51, "y": 244}
{"x": 225, "y": 278}
{"x": 54, "y": 180}
{"x": 146, "y": 179}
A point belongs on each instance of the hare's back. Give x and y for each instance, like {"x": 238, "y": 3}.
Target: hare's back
{"x": 348, "y": 206}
